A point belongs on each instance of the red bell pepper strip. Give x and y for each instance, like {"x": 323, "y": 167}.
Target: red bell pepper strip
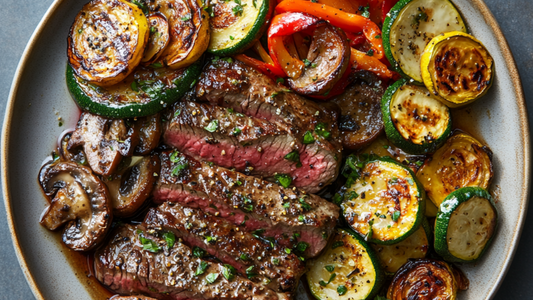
{"x": 361, "y": 61}
{"x": 355, "y": 40}
{"x": 283, "y": 25}
{"x": 386, "y": 7}
{"x": 270, "y": 70}
{"x": 343, "y": 20}
{"x": 373, "y": 35}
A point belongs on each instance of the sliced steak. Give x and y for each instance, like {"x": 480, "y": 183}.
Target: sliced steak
{"x": 126, "y": 268}
{"x": 361, "y": 121}
{"x": 249, "y": 202}
{"x": 249, "y": 253}
{"x": 250, "y": 145}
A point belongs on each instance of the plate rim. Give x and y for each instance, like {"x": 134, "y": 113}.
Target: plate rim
{"x": 479, "y": 4}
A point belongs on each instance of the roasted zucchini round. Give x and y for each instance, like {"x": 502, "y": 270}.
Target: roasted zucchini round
{"x": 235, "y": 26}
{"x": 462, "y": 161}
{"x": 385, "y": 204}
{"x": 348, "y": 269}
{"x": 423, "y": 279}
{"x": 188, "y": 28}
{"x": 392, "y": 257}
{"x": 414, "y": 120}
{"x": 145, "y": 92}
{"x": 457, "y": 67}
{"x": 465, "y": 225}
{"x": 106, "y": 41}
{"x": 410, "y": 26}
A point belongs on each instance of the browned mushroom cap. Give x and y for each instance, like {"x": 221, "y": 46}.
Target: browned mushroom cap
{"x": 361, "y": 121}
{"x": 75, "y": 155}
{"x": 80, "y": 199}
{"x": 104, "y": 141}
{"x": 130, "y": 188}
{"x": 149, "y": 134}
{"x": 327, "y": 60}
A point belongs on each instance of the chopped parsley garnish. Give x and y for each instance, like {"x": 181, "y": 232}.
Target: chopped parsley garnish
{"x": 308, "y": 138}
{"x": 211, "y": 278}
{"x": 305, "y": 205}
{"x": 330, "y": 268}
{"x": 202, "y": 267}
{"x": 396, "y": 215}
{"x": 170, "y": 238}
{"x": 378, "y": 36}
{"x": 258, "y": 233}
{"x": 351, "y": 195}
{"x": 337, "y": 199}
{"x": 250, "y": 272}
{"x": 301, "y": 247}
{"x": 284, "y": 180}
{"x": 421, "y": 16}
{"x": 187, "y": 17}
{"x": 341, "y": 289}
{"x": 301, "y": 218}
{"x": 236, "y": 131}
{"x": 231, "y": 37}
{"x": 410, "y": 181}
{"x": 288, "y": 251}
{"x": 198, "y": 252}
{"x": 331, "y": 277}
{"x": 148, "y": 244}
{"x": 244, "y": 257}
{"x": 294, "y": 156}
{"x": 156, "y": 65}
{"x": 229, "y": 272}
{"x": 212, "y": 126}
{"x": 280, "y": 80}
{"x": 370, "y": 232}
{"x": 275, "y": 261}
{"x": 239, "y": 8}
{"x": 209, "y": 10}
{"x": 366, "y": 12}
{"x": 370, "y": 52}
{"x": 287, "y": 205}
{"x": 320, "y": 129}
{"x": 177, "y": 112}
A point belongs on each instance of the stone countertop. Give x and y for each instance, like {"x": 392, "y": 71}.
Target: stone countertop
{"x": 18, "y": 19}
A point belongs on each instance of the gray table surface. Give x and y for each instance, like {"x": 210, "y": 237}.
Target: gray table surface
{"x": 18, "y": 19}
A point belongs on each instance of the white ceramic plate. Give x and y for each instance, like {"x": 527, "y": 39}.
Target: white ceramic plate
{"x": 39, "y": 96}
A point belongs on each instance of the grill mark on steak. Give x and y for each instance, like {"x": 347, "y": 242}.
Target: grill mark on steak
{"x": 229, "y": 244}
{"x": 249, "y": 202}
{"x": 125, "y": 268}
{"x": 249, "y": 144}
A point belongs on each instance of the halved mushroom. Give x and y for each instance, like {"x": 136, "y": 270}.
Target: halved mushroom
{"x": 188, "y": 30}
{"x": 327, "y": 60}
{"x": 149, "y": 134}
{"x": 80, "y": 200}
{"x": 361, "y": 121}
{"x": 132, "y": 185}
{"x": 158, "y": 40}
{"x": 104, "y": 141}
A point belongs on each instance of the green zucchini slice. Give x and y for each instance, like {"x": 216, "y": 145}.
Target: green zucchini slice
{"x": 414, "y": 120}
{"x": 385, "y": 203}
{"x": 236, "y": 25}
{"x": 465, "y": 225}
{"x": 348, "y": 269}
{"x": 424, "y": 279}
{"x": 392, "y": 257}
{"x": 411, "y": 25}
{"x": 462, "y": 161}
{"x": 145, "y": 92}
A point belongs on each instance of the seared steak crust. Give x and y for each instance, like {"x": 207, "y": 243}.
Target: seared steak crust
{"x": 249, "y": 202}
{"x": 249, "y": 95}
{"x": 125, "y": 268}
{"x": 249, "y": 144}
{"x": 232, "y": 246}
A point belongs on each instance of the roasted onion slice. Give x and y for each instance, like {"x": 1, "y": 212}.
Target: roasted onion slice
{"x": 462, "y": 161}
{"x": 188, "y": 29}
{"x": 423, "y": 279}
{"x": 107, "y": 40}
{"x": 159, "y": 38}
{"x": 326, "y": 61}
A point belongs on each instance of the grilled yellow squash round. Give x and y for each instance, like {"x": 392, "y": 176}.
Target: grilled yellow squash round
{"x": 457, "y": 67}
{"x": 107, "y": 40}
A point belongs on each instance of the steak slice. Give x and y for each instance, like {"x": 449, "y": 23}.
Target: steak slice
{"x": 250, "y": 145}
{"x": 248, "y": 253}
{"x": 249, "y": 202}
{"x": 126, "y": 268}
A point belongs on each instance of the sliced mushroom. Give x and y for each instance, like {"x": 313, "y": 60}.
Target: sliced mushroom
{"x": 75, "y": 155}
{"x": 149, "y": 134}
{"x": 104, "y": 141}
{"x": 159, "y": 37}
{"x": 327, "y": 60}
{"x": 80, "y": 200}
{"x": 132, "y": 185}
